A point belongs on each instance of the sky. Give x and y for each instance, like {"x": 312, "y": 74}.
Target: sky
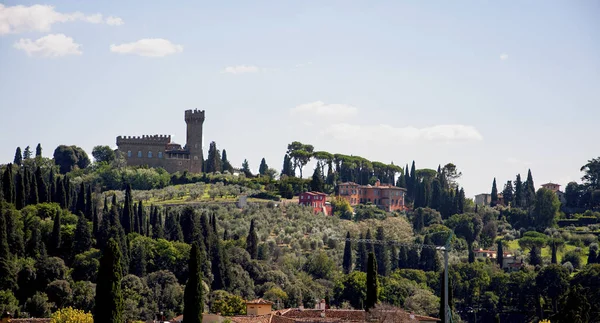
{"x": 494, "y": 87}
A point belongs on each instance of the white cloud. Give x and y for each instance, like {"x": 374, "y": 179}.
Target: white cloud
{"x": 53, "y": 45}
{"x": 320, "y": 109}
{"x": 148, "y": 47}
{"x": 390, "y": 134}
{"x": 241, "y": 69}
{"x": 114, "y": 21}
{"x": 503, "y": 56}
{"x": 19, "y": 19}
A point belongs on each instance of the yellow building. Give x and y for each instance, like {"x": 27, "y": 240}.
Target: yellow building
{"x": 258, "y": 307}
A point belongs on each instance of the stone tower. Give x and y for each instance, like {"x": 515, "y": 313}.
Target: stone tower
{"x": 194, "y": 120}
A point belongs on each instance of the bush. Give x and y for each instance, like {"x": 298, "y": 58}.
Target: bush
{"x": 71, "y": 315}
{"x": 573, "y": 257}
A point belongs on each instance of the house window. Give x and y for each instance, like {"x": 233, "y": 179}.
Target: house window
{"x": 149, "y": 154}
{"x": 129, "y": 153}
{"x": 308, "y": 197}
{"x": 139, "y": 154}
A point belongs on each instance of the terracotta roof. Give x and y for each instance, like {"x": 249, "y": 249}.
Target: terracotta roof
{"x": 251, "y": 319}
{"x": 260, "y": 301}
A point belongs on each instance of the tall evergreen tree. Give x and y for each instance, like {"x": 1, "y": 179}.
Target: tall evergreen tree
{"x": 246, "y": 169}
{"x": 20, "y": 190}
{"x": 429, "y": 259}
{"x": 127, "y": 219}
{"x": 262, "y": 169}
{"x": 141, "y": 218}
{"x": 370, "y": 247}
{"x": 519, "y": 198}
{"x": 189, "y": 223}
{"x": 494, "y": 200}
{"x": 382, "y": 253}
{"x": 135, "y": 219}
{"x": 61, "y": 194}
{"x": 96, "y": 221}
{"x": 436, "y": 195}
{"x": 34, "y": 243}
{"x": 288, "y": 168}
{"x": 109, "y": 297}
{"x": 27, "y": 153}
{"x": 500, "y": 253}
{"x": 413, "y": 180}
{"x": 219, "y": 270}
{"x": 52, "y": 187}
{"x": 80, "y": 208}
{"x": 252, "y": 241}
{"x": 89, "y": 204}
{"x": 361, "y": 259}
{"x": 8, "y": 279}
{"x": 213, "y": 163}
{"x": 347, "y": 263}
{"x": 83, "y": 238}
{"x": 460, "y": 199}
{"x": 18, "y": 157}
{"x": 138, "y": 261}
{"x": 403, "y": 258}
{"x": 8, "y": 186}
{"x": 225, "y": 163}
{"x": 56, "y": 234}
{"x": 413, "y": 258}
{"x": 38, "y": 150}
{"x": 173, "y": 230}
{"x": 401, "y": 181}
{"x": 508, "y": 194}
{"x": 193, "y": 301}
{"x": 317, "y": 184}
{"x": 372, "y": 285}
{"x": 529, "y": 190}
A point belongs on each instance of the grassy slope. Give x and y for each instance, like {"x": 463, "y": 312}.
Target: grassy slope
{"x": 514, "y": 245}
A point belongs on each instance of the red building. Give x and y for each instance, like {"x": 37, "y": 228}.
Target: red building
{"x": 387, "y": 197}
{"x": 317, "y": 200}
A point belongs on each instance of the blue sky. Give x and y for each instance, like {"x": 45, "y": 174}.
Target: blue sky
{"x": 494, "y": 87}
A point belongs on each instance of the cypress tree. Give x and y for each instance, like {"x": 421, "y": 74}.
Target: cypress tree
{"x": 8, "y": 280}
{"x": 534, "y": 256}
{"x": 262, "y": 169}
{"x": 126, "y": 222}
{"x": 372, "y": 287}
{"x": 225, "y": 163}
{"x": 141, "y": 216}
{"x": 494, "y": 194}
{"x": 401, "y": 182}
{"x": 109, "y": 298}
{"x": 219, "y": 271}
{"x": 8, "y": 186}
{"x": 56, "y": 234}
{"x": 96, "y": 223}
{"x": 519, "y": 199}
{"x": 381, "y": 254}
{"x": 83, "y": 237}
{"x": 394, "y": 260}
{"x": 158, "y": 231}
{"x": 529, "y": 189}
{"x": 20, "y": 190}
{"x": 80, "y": 208}
{"x": 347, "y": 264}
{"x": 193, "y": 301}
{"x": 34, "y": 243}
{"x": 361, "y": 260}
{"x": 173, "y": 230}
{"x": 461, "y": 201}
{"x": 33, "y": 194}
{"x": 288, "y": 168}
{"x": 38, "y": 150}
{"x": 213, "y": 161}
{"x": 317, "y": 184}
{"x": 18, "y": 157}
{"x": 136, "y": 222}
{"x": 413, "y": 179}
{"x": 61, "y": 194}
{"x": 52, "y": 187}
{"x": 500, "y": 254}
{"x": 138, "y": 262}
{"x": 403, "y": 258}
{"x": 89, "y": 204}
{"x": 189, "y": 224}
{"x": 252, "y": 241}
{"x": 413, "y": 258}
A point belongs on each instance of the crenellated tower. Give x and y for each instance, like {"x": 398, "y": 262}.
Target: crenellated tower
{"x": 194, "y": 120}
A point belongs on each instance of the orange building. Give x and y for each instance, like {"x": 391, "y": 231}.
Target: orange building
{"x": 387, "y": 197}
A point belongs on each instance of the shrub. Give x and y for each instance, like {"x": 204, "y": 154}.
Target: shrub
{"x": 573, "y": 257}
{"x": 71, "y": 315}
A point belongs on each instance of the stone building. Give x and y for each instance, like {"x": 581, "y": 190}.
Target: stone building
{"x": 159, "y": 151}
{"x": 386, "y": 197}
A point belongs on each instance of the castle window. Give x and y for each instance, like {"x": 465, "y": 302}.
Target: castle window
{"x": 129, "y": 153}
{"x": 149, "y": 154}
{"x": 139, "y": 154}
{"x": 160, "y": 154}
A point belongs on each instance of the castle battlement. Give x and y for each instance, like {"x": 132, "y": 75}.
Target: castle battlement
{"x": 144, "y": 140}
{"x": 194, "y": 115}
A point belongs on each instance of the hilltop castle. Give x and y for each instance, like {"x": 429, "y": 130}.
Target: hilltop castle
{"x": 159, "y": 151}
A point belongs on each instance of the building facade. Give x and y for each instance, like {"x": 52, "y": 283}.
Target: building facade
{"x": 316, "y": 200}
{"x": 483, "y": 199}
{"x": 386, "y": 197}
{"x": 159, "y": 151}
